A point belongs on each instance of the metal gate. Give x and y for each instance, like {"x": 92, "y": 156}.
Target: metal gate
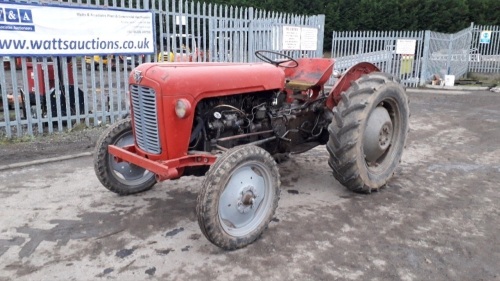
{"x": 447, "y": 54}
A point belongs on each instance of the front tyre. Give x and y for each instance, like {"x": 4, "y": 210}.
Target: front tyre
{"x": 368, "y": 132}
{"x": 239, "y": 197}
{"x": 120, "y": 177}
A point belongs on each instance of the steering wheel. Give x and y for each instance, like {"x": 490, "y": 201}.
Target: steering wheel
{"x": 260, "y": 55}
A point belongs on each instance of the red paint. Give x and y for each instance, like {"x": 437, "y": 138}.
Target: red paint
{"x": 311, "y": 73}
{"x": 314, "y": 71}
{"x": 191, "y": 82}
{"x": 344, "y": 82}
{"x": 164, "y": 170}
{"x": 194, "y": 82}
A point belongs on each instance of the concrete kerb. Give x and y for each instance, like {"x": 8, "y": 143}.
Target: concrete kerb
{"x": 453, "y": 90}
{"x": 458, "y": 88}
{"x": 44, "y": 161}
{"x": 438, "y": 91}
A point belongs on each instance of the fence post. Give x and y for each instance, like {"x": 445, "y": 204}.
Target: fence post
{"x": 470, "y": 47}
{"x": 212, "y": 34}
{"x": 450, "y": 51}
{"x": 321, "y": 36}
{"x": 251, "y": 41}
{"x": 425, "y": 57}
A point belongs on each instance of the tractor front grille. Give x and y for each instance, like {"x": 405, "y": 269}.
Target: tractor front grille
{"x": 145, "y": 119}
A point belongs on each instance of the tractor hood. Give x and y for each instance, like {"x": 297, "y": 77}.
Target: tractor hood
{"x": 200, "y": 80}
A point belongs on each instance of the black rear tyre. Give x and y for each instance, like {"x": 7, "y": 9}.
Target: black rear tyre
{"x": 122, "y": 178}
{"x": 368, "y": 132}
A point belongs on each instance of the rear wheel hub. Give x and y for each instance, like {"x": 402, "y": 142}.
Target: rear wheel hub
{"x": 378, "y": 134}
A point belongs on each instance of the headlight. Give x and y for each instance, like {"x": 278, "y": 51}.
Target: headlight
{"x": 182, "y": 108}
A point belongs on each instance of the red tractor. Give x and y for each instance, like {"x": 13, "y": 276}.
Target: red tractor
{"x": 226, "y": 121}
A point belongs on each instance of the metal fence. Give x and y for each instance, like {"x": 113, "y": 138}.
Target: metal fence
{"x": 228, "y": 34}
{"x": 435, "y": 54}
{"x": 92, "y": 90}
{"x": 485, "y": 54}
{"x": 379, "y": 48}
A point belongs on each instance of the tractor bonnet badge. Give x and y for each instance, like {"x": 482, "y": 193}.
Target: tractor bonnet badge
{"x": 137, "y": 76}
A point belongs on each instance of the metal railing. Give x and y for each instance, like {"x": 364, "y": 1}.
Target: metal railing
{"x": 92, "y": 90}
{"x": 379, "y": 48}
{"x": 485, "y": 55}
{"x": 435, "y": 54}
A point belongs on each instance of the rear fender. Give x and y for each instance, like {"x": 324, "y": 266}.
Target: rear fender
{"x": 344, "y": 82}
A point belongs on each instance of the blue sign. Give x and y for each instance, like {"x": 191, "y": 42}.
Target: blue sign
{"x": 15, "y": 15}
{"x": 25, "y": 16}
{"x": 12, "y": 19}
{"x": 12, "y": 15}
{"x": 485, "y": 37}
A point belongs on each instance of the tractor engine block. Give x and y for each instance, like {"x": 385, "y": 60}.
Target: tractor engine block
{"x": 260, "y": 118}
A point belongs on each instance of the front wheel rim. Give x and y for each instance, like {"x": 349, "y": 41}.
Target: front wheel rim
{"x": 124, "y": 172}
{"x": 246, "y": 199}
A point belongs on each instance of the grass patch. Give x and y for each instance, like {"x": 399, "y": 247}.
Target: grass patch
{"x": 14, "y": 140}
{"x": 78, "y": 127}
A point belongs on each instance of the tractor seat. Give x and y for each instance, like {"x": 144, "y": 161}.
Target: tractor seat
{"x": 309, "y": 74}
{"x": 299, "y": 85}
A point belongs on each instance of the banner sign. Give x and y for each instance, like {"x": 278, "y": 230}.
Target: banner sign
{"x": 35, "y": 30}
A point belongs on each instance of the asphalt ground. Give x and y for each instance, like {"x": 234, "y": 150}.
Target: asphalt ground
{"x": 438, "y": 218}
